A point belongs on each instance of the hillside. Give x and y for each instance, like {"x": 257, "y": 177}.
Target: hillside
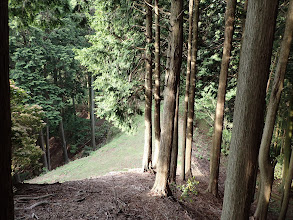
{"x": 109, "y": 184}
{"x": 81, "y": 190}
{"x": 122, "y": 153}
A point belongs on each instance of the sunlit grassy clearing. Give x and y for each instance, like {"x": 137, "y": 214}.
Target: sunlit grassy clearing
{"x": 122, "y": 153}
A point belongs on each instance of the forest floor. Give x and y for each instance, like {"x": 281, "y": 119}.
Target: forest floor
{"x": 118, "y": 195}
{"x": 127, "y": 195}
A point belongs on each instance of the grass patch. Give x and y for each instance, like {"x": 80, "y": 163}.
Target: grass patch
{"x": 122, "y": 153}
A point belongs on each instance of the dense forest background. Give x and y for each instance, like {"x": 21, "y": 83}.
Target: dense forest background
{"x": 82, "y": 72}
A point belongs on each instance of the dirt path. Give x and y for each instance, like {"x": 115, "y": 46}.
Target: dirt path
{"x": 114, "y": 196}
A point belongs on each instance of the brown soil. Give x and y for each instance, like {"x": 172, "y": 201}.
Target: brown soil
{"x": 126, "y": 195}
{"x": 114, "y": 196}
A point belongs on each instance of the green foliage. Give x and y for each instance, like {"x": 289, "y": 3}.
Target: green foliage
{"x": 210, "y": 49}
{"x": 204, "y": 107}
{"x": 45, "y": 13}
{"x": 26, "y": 124}
{"x": 205, "y": 110}
{"x": 188, "y": 189}
{"x": 115, "y": 62}
{"x": 42, "y": 62}
{"x": 77, "y": 131}
{"x": 278, "y": 168}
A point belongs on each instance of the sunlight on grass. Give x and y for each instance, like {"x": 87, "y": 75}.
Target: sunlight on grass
{"x": 122, "y": 153}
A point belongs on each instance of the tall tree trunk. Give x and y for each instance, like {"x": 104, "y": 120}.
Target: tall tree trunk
{"x": 73, "y": 106}
{"x": 42, "y": 143}
{"x": 287, "y": 144}
{"x": 219, "y": 116}
{"x": 287, "y": 187}
{"x": 48, "y": 145}
{"x": 6, "y": 198}
{"x": 64, "y": 145}
{"x": 92, "y": 110}
{"x": 249, "y": 108}
{"x": 147, "y": 155}
{"x": 176, "y": 43}
{"x": 174, "y": 151}
{"x": 190, "y": 119}
{"x": 157, "y": 94}
{"x": 265, "y": 165}
{"x": 190, "y": 19}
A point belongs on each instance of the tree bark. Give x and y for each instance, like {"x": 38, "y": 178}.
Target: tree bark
{"x": 219, "y": 116}
{"x": 174, "y": 151}
{"x": 265, "y": 165}
{"x": 176, "y": 42}
{"x": 92, "y": 110}
{"x": 42, "y": 143}
{"x": 249, "y": 108}
{"x": 157, "y": 94}
{"x": 190, "y": 19}
{"x": 287, "y": 187}
{"x": 6, "y": 198}
{"x": 190, "y": 119}
{"x": 64, "y": 145}
{"x": 48, "y": 144}
{"x": 147, "y": 155}
{"x": 73, "y": 106}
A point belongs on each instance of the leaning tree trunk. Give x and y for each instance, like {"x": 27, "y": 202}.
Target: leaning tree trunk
{"x": 64, "y": 145}
{"x": 187, "y": 89}
{"x": 249, "y": 108}
{"x": 48, "y": 145}
{"x": 147, "y": 155}
{"x": 42, "y": 143}
{"x": 6, "y": 198}
{"x": 92, "y": 110}
{"x": 265, "y": 166}
{"x": 176, "y": 43}
{"x": 174, "y": 151}
{"x": 157, "y": 94}
{"x": 287, "y": 188}
{"x": 219, "y": 116}
{"x": 190, "y": 119}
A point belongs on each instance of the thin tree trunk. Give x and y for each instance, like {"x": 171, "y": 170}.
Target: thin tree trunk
{"x": 42, "y": 143}
{"x": 92, "y": 112}
{"x": 73, "y": 105}
{"x": 6, "y": 198}
{"x": 48, "y": 144}
{"x": 174, "y": 151}
{"x": 287, "y": 144}
{"x": 287, "y": 187}
{"x": 147, "y": 156}
{"x": 190, "y": 19}
{"x": 265, "y": 165}
{"x": 271, "y": 73}
{"x": 176, "y": 43}
{"x": 190, "y": 119}
{"x": 219, "y": 116}
{"x": 249, "y": 108}
{"x": 157, "y": 94}
{"x": 64, "y": 145}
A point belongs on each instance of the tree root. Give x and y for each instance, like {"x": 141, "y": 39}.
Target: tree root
{"x": 33, "y": 197}
{"x": 34, "y": 205}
